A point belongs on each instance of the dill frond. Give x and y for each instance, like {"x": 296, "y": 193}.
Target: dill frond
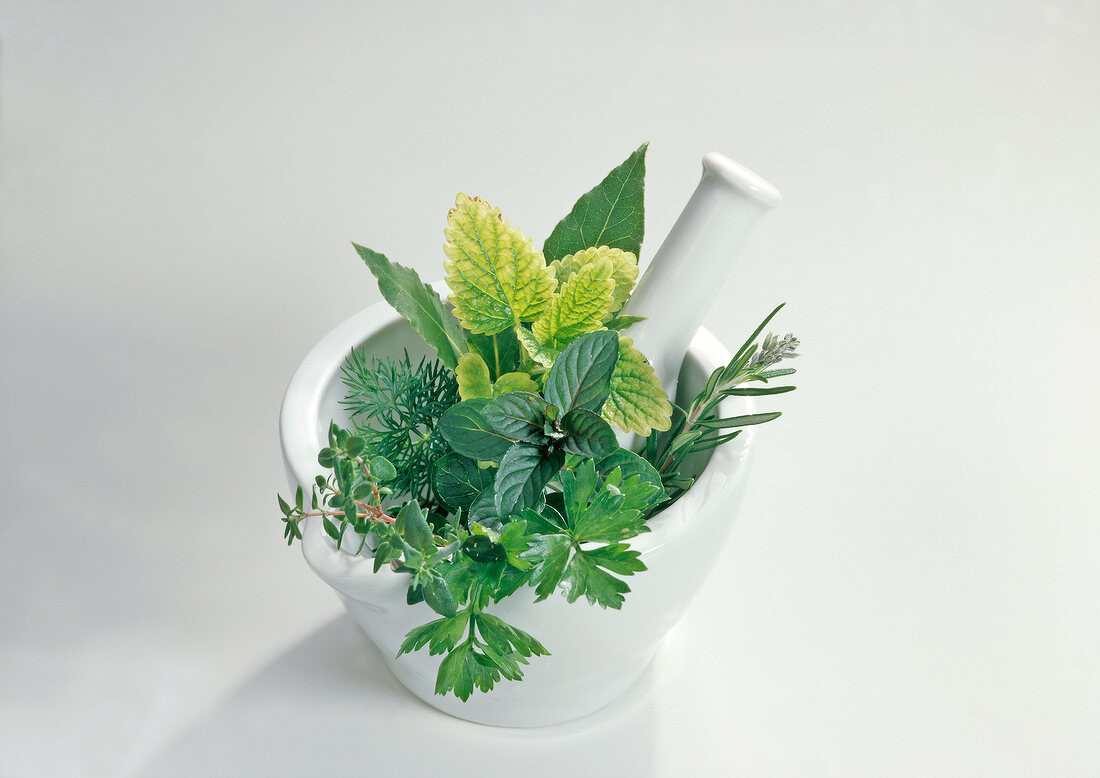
{"x": 395, "y": 407}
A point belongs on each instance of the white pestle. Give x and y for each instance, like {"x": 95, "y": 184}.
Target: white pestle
{"x": 690, "y": 268}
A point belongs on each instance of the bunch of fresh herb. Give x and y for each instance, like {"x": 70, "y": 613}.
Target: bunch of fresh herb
{"x": 503, "y": 452}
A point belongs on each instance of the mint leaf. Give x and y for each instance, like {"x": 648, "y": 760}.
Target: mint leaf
{"x": 419, "y": 304}
{"x": 587, "y": 435}
{"x": 466, "y": 430}
{"x": 519, "y": 416}
{"x": 611, "y": 214}
{"x": 458, "y": 480}
{"x": 523, "y": 474}
{"x": 581, "y": 375}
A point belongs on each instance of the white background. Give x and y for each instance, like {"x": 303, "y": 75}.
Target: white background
{"x": 913, "y": 586}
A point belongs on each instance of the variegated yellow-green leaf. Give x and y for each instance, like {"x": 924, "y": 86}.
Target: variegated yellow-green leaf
{"x": 540, "y": 352}
{"x": 473, "y": 377}
{"x": 638, "y": 402}
{"x": 497, "y": 277}
{"x": 579, "y": 307}
{"x": 624, "y": 271}
{"x": 514, "y": 382}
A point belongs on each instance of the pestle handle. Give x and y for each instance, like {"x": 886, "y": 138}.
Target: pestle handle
{"x": 688, "y": 271}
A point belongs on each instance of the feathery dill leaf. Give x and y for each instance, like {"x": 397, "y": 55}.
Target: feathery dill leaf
{"x": 395, "y": 407}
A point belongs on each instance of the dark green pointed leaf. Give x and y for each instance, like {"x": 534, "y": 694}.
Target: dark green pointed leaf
{"x": 467, "y": 431}
{"x": 284, "y": 506}
{"x": 523, "y": 474}
{"x": 518, "y": 416}
{"x": 331, "y": 529}
{"x": 587, "y": 435}
{"x": 458, "y": 480}
{"x": 581, "y": 375}
{"x": 419, "y": 304}
{"x": 611, "y": 214}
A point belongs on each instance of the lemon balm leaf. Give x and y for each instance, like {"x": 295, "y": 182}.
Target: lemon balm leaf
{"x": 624, "y": 271}
{"x": 581, "y": 305}
{"x": 497, "y": 277}
{"x": 637, "y": 402}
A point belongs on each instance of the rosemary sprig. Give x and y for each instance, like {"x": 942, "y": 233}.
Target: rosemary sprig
{"x": 698, "y": 427}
